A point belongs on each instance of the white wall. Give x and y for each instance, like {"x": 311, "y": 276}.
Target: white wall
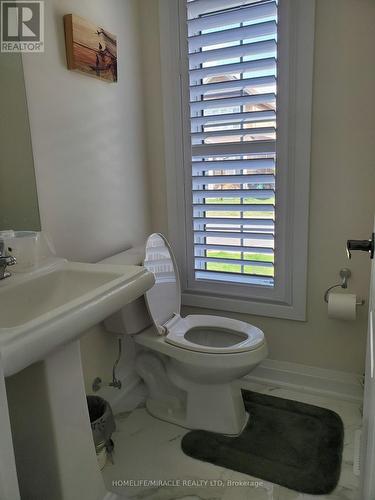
{"x": 88, "y": 141}
{"x": 342, "y": 179}
{"x": 88, "y": 137}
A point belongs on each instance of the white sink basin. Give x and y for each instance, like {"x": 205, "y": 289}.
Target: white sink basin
{"x": 42, "y": 310}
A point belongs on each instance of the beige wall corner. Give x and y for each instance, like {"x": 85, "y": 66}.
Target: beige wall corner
{"x": 153, "y": 109}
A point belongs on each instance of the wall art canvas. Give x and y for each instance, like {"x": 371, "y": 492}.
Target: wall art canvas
{"x": 90, "y": 49}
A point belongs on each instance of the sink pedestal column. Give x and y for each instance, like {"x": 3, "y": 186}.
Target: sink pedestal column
{"x": 55, "y": 452}
{"x": 8, "y": 475}
{"x": 78, "y": 468}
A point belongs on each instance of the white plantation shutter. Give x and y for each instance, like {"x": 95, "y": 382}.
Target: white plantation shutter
{"x": 232, "y": 47}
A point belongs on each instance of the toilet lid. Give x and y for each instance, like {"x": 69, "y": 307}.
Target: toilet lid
{"x": 164, "y": 298}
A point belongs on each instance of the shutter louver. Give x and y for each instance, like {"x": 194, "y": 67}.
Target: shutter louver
{"x": 232, "y": 81}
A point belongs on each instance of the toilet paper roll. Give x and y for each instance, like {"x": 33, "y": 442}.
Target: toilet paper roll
{"x": 342, "y": 306}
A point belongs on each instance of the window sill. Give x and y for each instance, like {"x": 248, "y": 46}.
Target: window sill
{"x": 296, "y": 312}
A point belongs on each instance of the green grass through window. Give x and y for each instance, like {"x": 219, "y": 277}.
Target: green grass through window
{"x": 253, "y": 201}
{"x": 237, "y": 201}
{"x": 236, "y": 268}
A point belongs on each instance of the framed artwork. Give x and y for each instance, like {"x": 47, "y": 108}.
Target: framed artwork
{"x": 90, "y": 49}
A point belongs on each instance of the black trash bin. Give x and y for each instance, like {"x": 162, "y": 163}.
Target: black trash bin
{"x": 102, "y": 426}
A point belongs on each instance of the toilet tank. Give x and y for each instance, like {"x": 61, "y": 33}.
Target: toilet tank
{"x": 133, "y": 317}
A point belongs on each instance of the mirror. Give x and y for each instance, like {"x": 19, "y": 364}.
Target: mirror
{"x": 18, "y": 195}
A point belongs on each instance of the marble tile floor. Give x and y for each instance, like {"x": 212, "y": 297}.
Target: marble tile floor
{"x": 147, "y": 449}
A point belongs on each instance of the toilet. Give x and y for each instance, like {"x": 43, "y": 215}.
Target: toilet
{"x": 190, "y": 365}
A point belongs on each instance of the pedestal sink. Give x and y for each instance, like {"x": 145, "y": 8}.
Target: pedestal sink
{"x": 42, "y": 316}
{"x": 41, "y": 310}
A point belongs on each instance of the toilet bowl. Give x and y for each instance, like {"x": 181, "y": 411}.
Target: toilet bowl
{"x": 191, "y": 365}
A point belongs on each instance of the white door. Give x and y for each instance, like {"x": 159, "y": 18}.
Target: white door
{"x": 368, "y": 432}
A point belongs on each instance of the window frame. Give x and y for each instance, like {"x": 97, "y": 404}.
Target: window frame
{"x": 287, "y": 299}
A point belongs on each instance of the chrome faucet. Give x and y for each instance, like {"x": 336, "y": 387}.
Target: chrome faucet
{"x": 5, "y": 261}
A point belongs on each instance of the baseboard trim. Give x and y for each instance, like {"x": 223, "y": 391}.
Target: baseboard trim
{"x": 319, "y": 381}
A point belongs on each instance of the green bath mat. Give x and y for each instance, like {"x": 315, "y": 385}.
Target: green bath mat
{"x": 286, "y": 442}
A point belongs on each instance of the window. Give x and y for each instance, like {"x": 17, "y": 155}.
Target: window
{"x": 238, "y": 186}
{"x": 232, "y": 83}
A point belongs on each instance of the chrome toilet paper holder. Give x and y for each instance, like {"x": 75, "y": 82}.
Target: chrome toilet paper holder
{"x": 345, "y": 274}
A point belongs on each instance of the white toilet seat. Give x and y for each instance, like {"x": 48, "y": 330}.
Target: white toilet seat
{"x": 204, "y": 334}
{"x": 245, "y": 337}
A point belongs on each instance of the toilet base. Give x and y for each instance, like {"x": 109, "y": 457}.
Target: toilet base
{"x": 179, "y": 400}
{"x": 216, "y": 408}
{"x": 165, "y": 410}
{"x": 207, "y": 407}
{"x": 212, "y": 407}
